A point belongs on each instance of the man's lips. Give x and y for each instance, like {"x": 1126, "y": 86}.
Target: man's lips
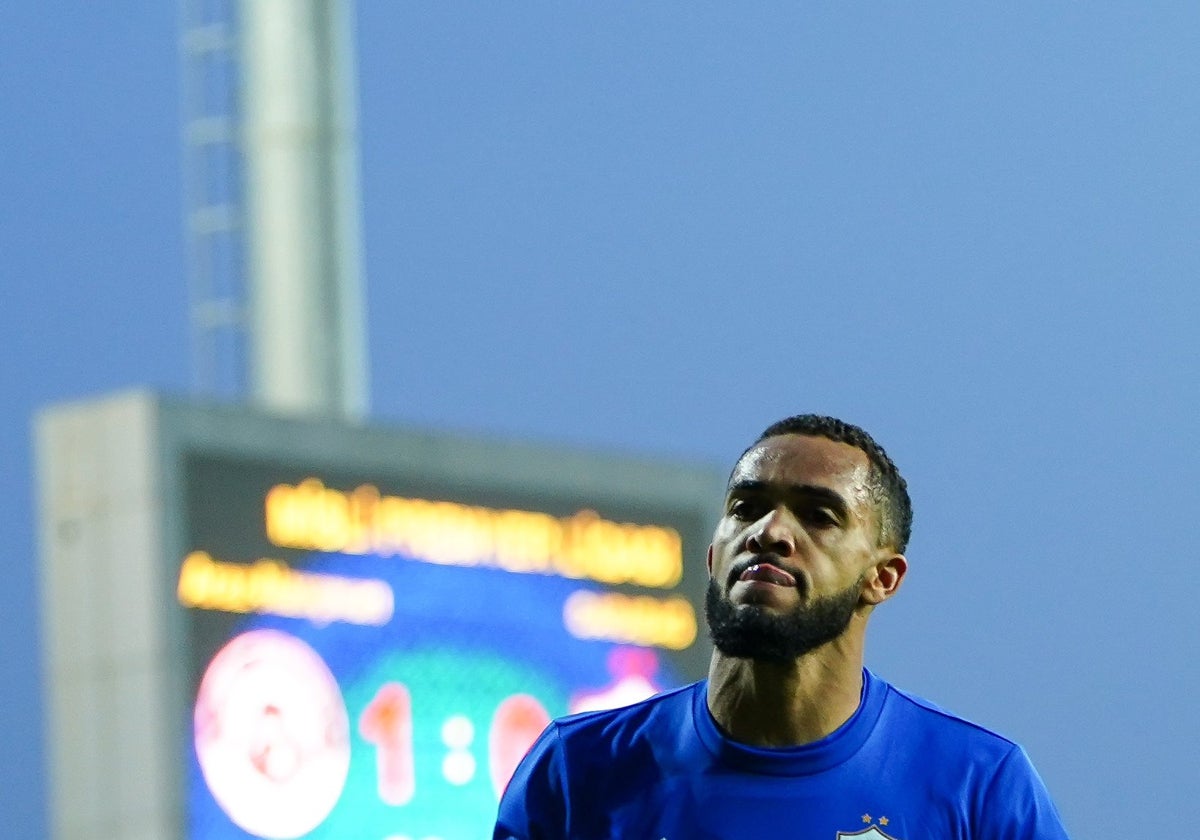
{"x": 767, "y": 573}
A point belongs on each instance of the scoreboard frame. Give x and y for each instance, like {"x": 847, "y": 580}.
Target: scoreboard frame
{"x": 115, "y": 528}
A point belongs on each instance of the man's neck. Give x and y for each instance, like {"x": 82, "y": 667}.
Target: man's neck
{"x": 766, "y": 704}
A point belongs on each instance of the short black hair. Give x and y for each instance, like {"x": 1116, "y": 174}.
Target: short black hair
{"x": 888, "y": 489}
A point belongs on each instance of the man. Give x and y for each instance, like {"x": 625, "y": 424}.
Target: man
{"x": 789, "y": 737}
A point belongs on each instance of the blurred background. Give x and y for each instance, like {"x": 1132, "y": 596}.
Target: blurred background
{"x": 652, "y": 231}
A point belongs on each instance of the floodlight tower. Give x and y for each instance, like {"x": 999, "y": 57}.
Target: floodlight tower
{"x": 272, "y": 205}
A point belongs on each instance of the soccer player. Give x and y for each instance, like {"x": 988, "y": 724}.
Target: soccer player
{"x": 790, "y": 736}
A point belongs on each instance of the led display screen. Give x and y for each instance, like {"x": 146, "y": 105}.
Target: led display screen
{"x": 371, "y": 652}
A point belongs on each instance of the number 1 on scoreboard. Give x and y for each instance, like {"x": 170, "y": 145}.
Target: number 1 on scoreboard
{"x": 386, "y": 722}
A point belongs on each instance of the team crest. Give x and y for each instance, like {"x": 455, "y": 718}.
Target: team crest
{"x": 872, "y": 833}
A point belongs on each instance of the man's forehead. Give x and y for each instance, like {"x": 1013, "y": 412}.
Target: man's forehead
{"x": 806, "y": 459}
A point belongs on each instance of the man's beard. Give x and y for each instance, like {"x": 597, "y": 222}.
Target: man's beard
{"x": 750, "y": 632}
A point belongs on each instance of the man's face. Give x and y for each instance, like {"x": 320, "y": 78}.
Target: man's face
{"x": 792, "y": 557}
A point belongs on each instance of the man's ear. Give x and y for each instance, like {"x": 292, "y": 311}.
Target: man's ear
{"x": 884, "y": 579}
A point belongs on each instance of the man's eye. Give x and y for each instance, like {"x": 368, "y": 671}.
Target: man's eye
{"x": 746, "y": 509}
{"x": 820, "y": 516}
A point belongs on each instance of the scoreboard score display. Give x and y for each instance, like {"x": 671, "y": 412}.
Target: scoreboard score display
{"x": 377, "y": 624}
{"x": 372, "y": 656}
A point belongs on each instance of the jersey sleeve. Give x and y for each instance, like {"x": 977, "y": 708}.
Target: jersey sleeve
{"x": 1017, "y": 806}
{"x": 533, "y": 806}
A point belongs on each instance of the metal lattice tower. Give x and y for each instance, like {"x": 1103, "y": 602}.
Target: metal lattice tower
{"x": 213, "y": 216}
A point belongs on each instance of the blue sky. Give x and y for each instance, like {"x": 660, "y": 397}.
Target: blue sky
{"x": 657, "y": 228}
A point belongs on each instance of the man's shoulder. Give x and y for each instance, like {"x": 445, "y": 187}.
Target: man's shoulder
{"x": 928, "y": 721}
{"x": 988, "y": 774}
{"x": 668, "y": 706}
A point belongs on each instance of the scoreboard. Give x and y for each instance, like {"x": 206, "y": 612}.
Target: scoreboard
{"x": 359, "y": 631}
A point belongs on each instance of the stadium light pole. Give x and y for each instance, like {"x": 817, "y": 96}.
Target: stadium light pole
{"x": 307, "y": 337}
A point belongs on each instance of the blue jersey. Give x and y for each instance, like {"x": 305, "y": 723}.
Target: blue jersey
{"x": 900, "y": 768}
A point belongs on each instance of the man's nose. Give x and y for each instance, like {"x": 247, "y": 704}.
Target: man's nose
{"x": 773, "y": 534}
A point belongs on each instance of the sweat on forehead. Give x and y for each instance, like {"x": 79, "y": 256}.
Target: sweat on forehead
{"x": 796, "y": 450}
{"x": 807, "y": 464}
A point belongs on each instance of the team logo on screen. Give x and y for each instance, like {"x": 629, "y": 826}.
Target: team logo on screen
{"x": 272, "y": 735}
